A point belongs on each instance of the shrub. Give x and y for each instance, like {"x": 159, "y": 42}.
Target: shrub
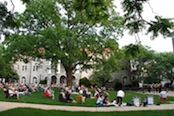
{"x": 86, "y": 82}
{"x": 43, "y": 82}
{"x": 118, "y": 86}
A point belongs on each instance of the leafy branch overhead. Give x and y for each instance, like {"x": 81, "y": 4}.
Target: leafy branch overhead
{"x": 135, "y": 22}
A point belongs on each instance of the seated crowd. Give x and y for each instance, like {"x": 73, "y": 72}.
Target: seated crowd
{"x": 81, "y": 92}
{"x": 16, "y": 90}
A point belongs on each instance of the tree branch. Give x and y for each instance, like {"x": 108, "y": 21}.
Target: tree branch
{"x": 12, "y": 11}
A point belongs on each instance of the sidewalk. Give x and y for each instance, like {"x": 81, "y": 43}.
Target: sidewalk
{"x": 169, "y": 93}
{"x": 10, "y": 105}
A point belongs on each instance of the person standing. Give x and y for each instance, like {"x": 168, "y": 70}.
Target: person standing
{"x": 120, "y": 95}
{"x": 163, "y": 96}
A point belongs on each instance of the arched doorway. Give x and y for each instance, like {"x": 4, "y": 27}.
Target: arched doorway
{"x": 53, "y": 80}
{"x": 125, "y": 82}
{"x": 62, "y": 80}
{"x": 34, "y": 80}
{"x": 23, "y": 80}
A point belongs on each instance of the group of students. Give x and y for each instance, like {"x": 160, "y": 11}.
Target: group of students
{"x": 49, "y": 93}
{"x": 65, "y": 96}
{"x": 16, "y": 90}
{"x": 104, "y": 99}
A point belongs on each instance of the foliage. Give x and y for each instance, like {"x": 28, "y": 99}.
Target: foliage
{"x": 84, "y": 81}
{"x": 164, "y": 65}
{"x": 43, "y": 82}
{"x": 118, "y": 85}
{"x": 135, "y": 22}
{"x": 7, "y": 20}
{"x": 6, "y": 70}
{"x": 141, "y": 64}
{"x": 150, "y": 66}
{"x": 103, "y": 73}
{"x": 74, "y": 32}
{"x": 100, "y": 78}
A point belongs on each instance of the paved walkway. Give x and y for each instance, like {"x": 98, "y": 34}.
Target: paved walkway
{"x": 169, "y": 93}
{"x": 10, "y": 105}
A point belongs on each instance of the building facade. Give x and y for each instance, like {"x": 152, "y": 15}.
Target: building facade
{"x": 35, "y": 71}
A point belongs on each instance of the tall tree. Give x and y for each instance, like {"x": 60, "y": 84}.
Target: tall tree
{"x": 76, "y": 32}
{"x": 164, "y": 66}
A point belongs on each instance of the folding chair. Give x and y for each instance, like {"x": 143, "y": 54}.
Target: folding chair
{"x": 136, "y": 101}
{"x": 150, "y": 99}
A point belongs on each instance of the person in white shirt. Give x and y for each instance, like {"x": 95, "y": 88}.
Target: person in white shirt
{"x": 163, "y": 96}
{"x": 120, "y": 95}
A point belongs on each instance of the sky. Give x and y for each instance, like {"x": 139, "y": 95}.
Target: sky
{"x": 163, "y": 8}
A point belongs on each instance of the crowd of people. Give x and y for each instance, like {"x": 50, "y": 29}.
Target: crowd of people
{"x": 16, "y": 90}
{"x": 65, "y": 95}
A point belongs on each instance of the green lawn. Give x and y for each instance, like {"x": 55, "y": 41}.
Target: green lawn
{"x": 38, "y": 112}
{"x": 38, "y": 98}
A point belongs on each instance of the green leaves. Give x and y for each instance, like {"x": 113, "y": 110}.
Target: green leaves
{"x": 133, "y": 18}
{"x": 135, "y": 22}
{"x": 75, "y": 32}
{"x": 6, "y": 70}
{"x": 92, "y": 10}
{"x": 161, "y": 25}
{"x": 132, "y": 50}
{"x": 7, "y": 20}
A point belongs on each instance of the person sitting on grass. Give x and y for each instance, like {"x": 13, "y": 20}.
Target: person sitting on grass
{"x": 108, "y": 102}
{"x": 62, "y": 97}
{"x": 68, "y": 97}
{"x": 80, "y": 98}
{"x": 100, "y": 100}
{"x": 13, "y": 92}
{"x": 49, "y": 93}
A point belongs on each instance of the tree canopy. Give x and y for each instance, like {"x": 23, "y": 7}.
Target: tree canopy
{"x": 75, "y": 32}
{"x": 78, "y": 33}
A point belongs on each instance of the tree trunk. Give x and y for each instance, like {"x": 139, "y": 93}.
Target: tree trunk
{"x": 69, "y": 75}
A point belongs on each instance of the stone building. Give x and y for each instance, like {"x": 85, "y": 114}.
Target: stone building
{"x": 35, "y": 71}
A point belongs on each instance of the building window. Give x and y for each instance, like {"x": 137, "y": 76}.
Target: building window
{"x": 23, "y": 81}
{"x": 34, "y": 68}
{"x": 23, "y": 67}
{"x": 37, "y": 67}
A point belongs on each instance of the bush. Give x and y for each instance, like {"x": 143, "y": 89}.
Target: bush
{"x": 43, "y": 82}
{"x": 118, "y": 86}
{"x": 86, "y": 82}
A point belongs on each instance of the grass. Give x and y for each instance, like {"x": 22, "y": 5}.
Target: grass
{"x": 38, "y": 112}
{"x": 38, "y": 98}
